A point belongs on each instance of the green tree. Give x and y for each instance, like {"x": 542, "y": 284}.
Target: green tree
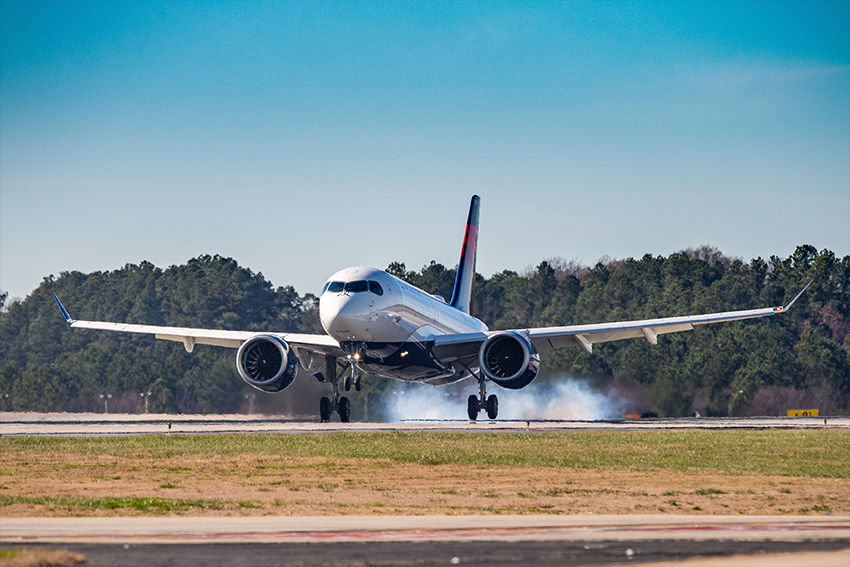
{"x": 44, "y": 365}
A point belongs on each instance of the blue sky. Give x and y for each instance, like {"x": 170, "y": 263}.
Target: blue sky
{"x": 299, "y": 138}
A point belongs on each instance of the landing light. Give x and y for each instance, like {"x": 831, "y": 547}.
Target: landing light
{"x": 357, "y": 356}
{"x": 404, "y": 354}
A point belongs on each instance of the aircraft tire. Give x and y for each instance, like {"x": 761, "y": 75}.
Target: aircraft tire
{"x": 344, "y": 410}
{"x": 492, "y": 406}
{"x": 473, "y": 406}
{"x": 347, "y": 383}
{"x": 325, "y": 409}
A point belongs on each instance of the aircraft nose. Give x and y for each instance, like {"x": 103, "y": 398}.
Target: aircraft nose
{"x": 329, "y": 307}
{"x": 336, "y": 312}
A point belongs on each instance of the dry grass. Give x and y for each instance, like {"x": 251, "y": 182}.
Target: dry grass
{"x": 39, "y": 558}
{"x": 762, "y": 472}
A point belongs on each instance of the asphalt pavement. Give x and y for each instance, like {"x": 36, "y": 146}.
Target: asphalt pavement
{"x": 145, "y": 424}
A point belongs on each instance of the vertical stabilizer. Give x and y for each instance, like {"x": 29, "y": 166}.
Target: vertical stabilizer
{"x": 462, "y": 294}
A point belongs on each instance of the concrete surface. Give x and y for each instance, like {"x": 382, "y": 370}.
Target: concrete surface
{"x": 421, "y": 528}
{"x": 414, "y": 541}
{"x": 142, "y": 424}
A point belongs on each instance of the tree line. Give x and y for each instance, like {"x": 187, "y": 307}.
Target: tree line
{"x": 801, "y": 358}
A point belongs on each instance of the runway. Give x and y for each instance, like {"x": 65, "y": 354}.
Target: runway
{"x": 471, "y": 540}
{"x": 306, "y": 529}
{"x": 145, "y": 424}
{"x": 441, "y": 540}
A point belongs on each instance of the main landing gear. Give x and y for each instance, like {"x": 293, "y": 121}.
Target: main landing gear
{"x": 337, "y": 403}
{"x": 474, "y": 404}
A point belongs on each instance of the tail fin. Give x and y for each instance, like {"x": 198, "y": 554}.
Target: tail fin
{"x": 462, "y": 294}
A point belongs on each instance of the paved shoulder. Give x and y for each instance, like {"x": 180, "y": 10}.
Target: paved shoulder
{"x": 426, "y": 528}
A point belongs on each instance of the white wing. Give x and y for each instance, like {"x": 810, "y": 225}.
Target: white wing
{"x": 321, "y": 344}
{"x": 546, "y": 339}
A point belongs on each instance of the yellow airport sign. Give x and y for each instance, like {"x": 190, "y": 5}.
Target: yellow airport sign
{"x": 802, "y": 413}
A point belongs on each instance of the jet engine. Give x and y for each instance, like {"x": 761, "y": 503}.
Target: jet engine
{"x": 509, "y": 360}
{"x": 267, "y": 363}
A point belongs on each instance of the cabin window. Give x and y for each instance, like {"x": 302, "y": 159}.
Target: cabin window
{"x": 376, "y": 288}
{"x": 357, "y": 286}
{"x": 336, "y": 286}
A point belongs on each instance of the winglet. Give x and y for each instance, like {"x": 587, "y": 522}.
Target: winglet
{"x": 787, "y": 306}
{"x": 62, "y": 308}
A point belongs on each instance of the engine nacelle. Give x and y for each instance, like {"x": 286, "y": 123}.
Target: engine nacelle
{"x": 509, "y": 360}
{"x": 267, "y": 363}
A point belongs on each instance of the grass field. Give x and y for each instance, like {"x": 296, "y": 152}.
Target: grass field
{"x": 699, "y": 471}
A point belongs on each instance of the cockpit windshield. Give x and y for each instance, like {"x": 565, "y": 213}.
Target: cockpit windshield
{"x": 357, "y": 286}
{"x": 376, "y": 288}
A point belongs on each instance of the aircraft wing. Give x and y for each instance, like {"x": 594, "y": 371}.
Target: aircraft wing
{"x": 546, "y": 339}
{"x": 319, "y": 344}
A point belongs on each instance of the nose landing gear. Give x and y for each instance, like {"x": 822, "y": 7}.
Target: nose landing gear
{"x": 474, "y": 404}
{"x": 353, "y": 380}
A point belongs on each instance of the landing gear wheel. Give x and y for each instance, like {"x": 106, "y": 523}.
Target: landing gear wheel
{"x": 358, "y": 384}
{"x": 473, "y": 406}
{"x": 492, "y": 406}
{"x": 344, "y": 410}
{"x": 325, "y": 409}
{"x": 347, "y": 383}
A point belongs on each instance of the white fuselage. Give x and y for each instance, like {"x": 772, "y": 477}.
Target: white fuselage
{"x": 387, "y": 310}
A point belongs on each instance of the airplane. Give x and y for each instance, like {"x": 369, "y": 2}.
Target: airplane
{"x": 381, "y": 325}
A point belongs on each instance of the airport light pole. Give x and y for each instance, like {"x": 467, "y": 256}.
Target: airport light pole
{"x": 145, "y": 396}
{"x": 105, "y": 398}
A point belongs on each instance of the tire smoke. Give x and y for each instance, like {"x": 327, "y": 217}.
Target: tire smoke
{"x": 557, "y": 399}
